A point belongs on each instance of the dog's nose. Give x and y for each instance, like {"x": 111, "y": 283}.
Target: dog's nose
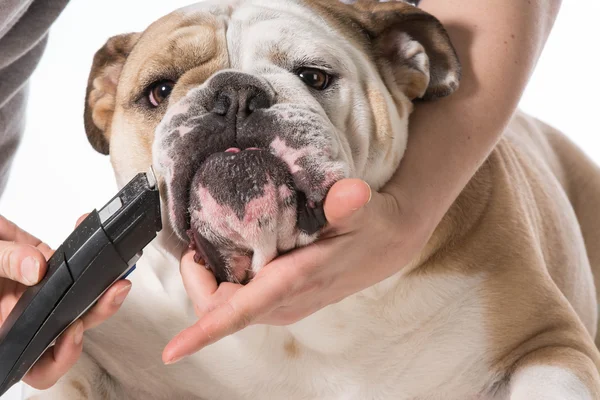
{"x": 240, "y": 102}
{"x": 237, "y": 95}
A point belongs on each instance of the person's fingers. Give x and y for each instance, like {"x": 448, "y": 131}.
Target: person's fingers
{"x": 225, "y": 292}
{"x": 346, "y": 197}
{"x": 57, "y": 360}
{"x": 23, "y": 263}
{"x": 201, "y": 285}
{"x": 199, "y": 282}
{"x": 46, "y": 250}
{"x": 108, "y": 304}
{"x": 80, "y": 219}
{"x": 351, "y": 204}
{"x": 345, "y": 202}
{"x": 10, "y": 292}
{"x": 12, "y": 233}
{"x": 248, "y": 304}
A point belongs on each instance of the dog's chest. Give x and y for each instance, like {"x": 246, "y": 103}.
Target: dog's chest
{"x": 362, "y": 348}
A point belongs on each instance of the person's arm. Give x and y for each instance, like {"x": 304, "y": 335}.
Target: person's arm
{"x": 23, "y": 36}
{"x": 498, "y": 43}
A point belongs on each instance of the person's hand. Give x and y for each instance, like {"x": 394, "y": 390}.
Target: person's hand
{"x": 369, "y": 237}
{"x": 22, "y": 264}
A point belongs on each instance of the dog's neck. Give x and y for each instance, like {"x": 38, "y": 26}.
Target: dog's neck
{"x": 160, "y": 270}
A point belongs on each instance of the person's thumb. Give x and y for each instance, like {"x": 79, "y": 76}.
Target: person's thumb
{"x": 21, "y": 262}
{"x": 348, "y": 203}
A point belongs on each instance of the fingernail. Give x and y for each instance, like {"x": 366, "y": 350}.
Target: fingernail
{"x": 174, "y": 360}
{"x": 30, "y": 270}
{"x": 370, "y": 196}
{"x": 121, "y": 295}
{"x": 78, "y": 338}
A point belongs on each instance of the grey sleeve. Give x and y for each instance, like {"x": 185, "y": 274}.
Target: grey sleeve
{"x": 21, "y": 49}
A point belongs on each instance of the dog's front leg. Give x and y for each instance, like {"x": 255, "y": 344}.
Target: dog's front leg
{"x": 85, "y": 381}
{"x": 555, "y": 373}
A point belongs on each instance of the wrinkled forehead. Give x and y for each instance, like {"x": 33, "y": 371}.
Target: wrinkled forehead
{"x": 252, "y": 34}
{"x": 283, "y": 33}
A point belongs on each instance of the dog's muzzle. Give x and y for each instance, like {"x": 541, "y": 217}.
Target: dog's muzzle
{"x": 246, "y": 176}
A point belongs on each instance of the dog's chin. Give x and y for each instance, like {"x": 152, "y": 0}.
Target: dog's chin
{"x": 241, "y": 204}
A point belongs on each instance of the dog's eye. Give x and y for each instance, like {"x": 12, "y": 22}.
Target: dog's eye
{"x": 315, "y": 78}
{"x": 159, "y": 91}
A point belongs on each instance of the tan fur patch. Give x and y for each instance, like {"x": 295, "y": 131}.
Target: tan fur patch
{"x": 278, "y": 57}
{"x": 367, "y": 24}
{"x": 291, "y": 348}
{"x": 102, "y": 86}
{"x": 344, "y": 18}
{"x": 183, "y": 48}
{"x": 383, "y": 125}
{"x": 80, "y": 388}
{"x": 536, "y": 295}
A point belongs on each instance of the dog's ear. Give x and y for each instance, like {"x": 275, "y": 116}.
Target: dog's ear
{"x": 102, "y": 88}
{"x": 410, "y": 46}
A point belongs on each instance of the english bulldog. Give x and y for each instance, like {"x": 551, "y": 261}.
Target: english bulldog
{"x": 249, "y": 110}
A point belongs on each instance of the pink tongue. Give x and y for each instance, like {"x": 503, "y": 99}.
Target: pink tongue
{"x": 237, "y": 150}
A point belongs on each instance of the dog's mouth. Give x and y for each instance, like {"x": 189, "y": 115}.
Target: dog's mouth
{"x": 234, "y": 194}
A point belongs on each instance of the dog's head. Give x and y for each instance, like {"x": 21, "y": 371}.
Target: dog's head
{"x": 250, "y": 110}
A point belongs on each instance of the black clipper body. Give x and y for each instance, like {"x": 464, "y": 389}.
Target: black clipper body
{"x": 101, "y": 250}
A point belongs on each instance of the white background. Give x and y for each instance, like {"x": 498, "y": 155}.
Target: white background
{"x": 57, "y": 176}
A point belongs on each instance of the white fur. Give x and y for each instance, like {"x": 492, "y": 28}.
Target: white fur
{"x": 544, "y": 382}
{"x": 406, "y": 344}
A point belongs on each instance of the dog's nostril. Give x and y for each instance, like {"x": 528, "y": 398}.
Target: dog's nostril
{"x": 222, "y": 104}
{"x": 258, "y": 101}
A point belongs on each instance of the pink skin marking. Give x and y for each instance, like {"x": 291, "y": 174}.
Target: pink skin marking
{"x": 330, "y": 169}
{"x": 221, "y": 219}
{"x": 284, "y": 192}
{"x": 184, "y": 130}
{"x": 224, "y": 221}
{"x": 289, "y": 155}
{"x": 286, "y": 229}
{"x": 246, "y": 232}
{"x": 237, "y": 150}
{"x": 264, "y": 205}
{"x": 333, "y": 174}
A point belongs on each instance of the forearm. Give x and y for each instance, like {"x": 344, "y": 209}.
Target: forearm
{"x": 498, "y": 43}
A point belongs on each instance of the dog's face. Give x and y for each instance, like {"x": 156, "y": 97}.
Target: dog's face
{"x": 251, "y": 110}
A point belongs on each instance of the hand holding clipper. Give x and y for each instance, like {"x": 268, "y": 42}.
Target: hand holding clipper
{"x": 101, "y": 250}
